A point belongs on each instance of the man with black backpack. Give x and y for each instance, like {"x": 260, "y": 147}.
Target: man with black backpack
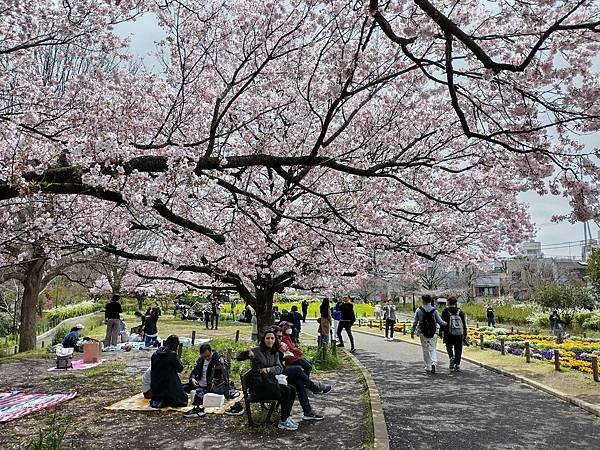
{"x": 426, "y": 319}
{"x": 455, "y": 333}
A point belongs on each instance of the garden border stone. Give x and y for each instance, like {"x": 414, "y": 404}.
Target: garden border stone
{"x": 381, "y": 440}
{"x": 534, "y": 384}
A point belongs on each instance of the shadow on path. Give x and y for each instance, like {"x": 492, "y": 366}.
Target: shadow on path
{"x": 472, "y": 409}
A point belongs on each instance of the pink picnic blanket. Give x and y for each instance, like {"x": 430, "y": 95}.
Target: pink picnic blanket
{"x": 14, "y": 405}
{"x": 78, "y": 364}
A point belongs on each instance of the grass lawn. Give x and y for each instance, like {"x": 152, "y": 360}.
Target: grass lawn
{"x": 168, "y": 325}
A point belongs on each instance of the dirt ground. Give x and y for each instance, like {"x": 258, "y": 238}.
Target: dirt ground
{"x": 92, "y": 427}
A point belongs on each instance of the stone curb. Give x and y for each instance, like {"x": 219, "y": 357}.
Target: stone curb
{"x": 381, "y": 440}
{"x": 534, "y": 384}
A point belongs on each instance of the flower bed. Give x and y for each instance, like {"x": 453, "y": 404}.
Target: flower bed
{"x": 574, "y": 353}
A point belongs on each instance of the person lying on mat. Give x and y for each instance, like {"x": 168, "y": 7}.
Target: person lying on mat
{"x": 165, "y": 384}
{"x": 71, "y": 339}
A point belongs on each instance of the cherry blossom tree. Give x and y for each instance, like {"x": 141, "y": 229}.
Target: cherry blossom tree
{"x": 281, "y": 143}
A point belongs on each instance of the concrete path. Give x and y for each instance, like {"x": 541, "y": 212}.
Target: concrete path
{"x": 474, "y": 409}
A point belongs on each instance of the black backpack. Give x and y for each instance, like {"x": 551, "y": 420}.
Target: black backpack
{"x": 427, "y": 325}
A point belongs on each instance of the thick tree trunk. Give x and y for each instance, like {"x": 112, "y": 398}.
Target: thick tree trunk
{"x": 264, "y": 309}
{"x": 32, "y": 288}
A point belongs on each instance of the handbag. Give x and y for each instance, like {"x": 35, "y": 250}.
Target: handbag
{"x": 265, "y": 387}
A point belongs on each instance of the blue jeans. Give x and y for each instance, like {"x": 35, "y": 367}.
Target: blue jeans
{"x": 490, "y": 321}
{"x": 297, "y": 378}
{"x": 149, "y": 341}
{"x": 305, "y": 364}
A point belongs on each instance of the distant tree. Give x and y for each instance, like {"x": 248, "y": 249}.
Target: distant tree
{"x": 434, "y": 276}
{"x": 594, "y": 272}
{"x": 566, "y": 298}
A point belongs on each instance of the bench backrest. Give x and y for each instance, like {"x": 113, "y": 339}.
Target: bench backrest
{"x": 246, "y": 378}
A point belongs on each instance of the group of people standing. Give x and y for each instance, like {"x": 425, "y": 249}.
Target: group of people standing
{"x": 341, "y": 316}
{"x": 212, "y": 312}
{"x": 115, "y": 327}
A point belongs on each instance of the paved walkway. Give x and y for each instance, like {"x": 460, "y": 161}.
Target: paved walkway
{"x": 473, "y": 409}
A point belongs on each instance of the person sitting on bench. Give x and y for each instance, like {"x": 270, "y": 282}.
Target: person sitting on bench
{"x": 166, "y": 386}
{"x": 297, "y": 357}
{"x": 301, "y": 382}
{"x": 265, "y": 361}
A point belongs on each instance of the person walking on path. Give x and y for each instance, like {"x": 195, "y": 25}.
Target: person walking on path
{"x": 455, "y": 333}
{"x": 489, "y": 312}
{"x": 389, "y": 315}
{"x": 304, "y": 310}
{"x": 346, "y": 321}
{"x": 112, "y": 314}
{"x": 297, "y": 321}
{"x": 426, "y": 318}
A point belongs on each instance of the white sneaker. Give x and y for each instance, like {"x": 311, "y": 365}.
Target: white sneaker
{"x": 288, "y": 424}
{"x": 292, "y": 421}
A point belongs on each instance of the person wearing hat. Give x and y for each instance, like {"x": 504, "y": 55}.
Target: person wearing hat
{"x": 72, "y": 337}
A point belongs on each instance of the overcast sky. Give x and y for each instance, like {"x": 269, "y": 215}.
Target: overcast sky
{"x": 558, "y": 239}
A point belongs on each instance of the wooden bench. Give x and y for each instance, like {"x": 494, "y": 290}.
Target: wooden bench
{"x": 246, "y": 379}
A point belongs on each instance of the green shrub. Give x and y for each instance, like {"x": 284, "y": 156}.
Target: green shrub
{"x": 516, "y": 314}
{"x": 580, "y": 317}
{"x": 6, "y": 324}
{"x": 541, "y": 320}
{"x": 593, "y": 322}
{"x": 74, "y": 310}
{"x": 61, "y": 332}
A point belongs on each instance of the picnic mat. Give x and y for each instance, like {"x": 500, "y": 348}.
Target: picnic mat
{"x": 137, "y": 402}
{"x": 14, "y": 405}
{"x": 78, "y": 364}
{"x": 121, "y": 347}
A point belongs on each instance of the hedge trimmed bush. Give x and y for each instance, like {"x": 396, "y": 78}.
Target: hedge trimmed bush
{"x": 74, "y": 310}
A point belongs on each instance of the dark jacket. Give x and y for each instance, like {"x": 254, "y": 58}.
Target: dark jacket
{"x": 446, "y": 313}
{"x": 287, "y": 317}
{"x": 150, "y": 324}
{"x": 297, "y": 320}
{"x": 196, "y": 373}
{"x": 112, "y": 310}
{"x": 165, "y": 384}
{"x": 263, "y": 358}
{"x": 304, "y": 306}
{"x": 347, "y": 310}
{"x": 70, "y": 339}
